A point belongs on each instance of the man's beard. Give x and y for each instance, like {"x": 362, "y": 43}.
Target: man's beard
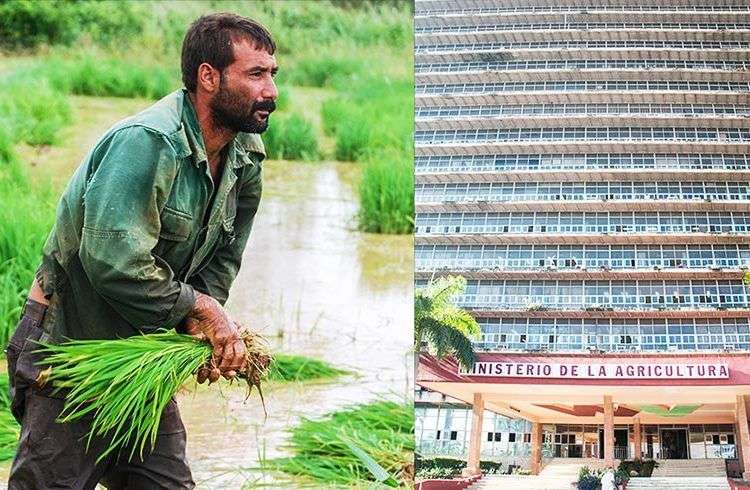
{"x": 229, "y": 112}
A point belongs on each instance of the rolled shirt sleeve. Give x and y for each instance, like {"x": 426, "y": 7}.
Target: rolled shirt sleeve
{"x": 122, "y": 203}
{"x": 217, "y": 277}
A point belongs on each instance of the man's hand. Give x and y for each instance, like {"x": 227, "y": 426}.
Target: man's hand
{"x": 208, "y": 320}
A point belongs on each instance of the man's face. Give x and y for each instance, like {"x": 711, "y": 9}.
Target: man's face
{"x": 247, "y": 92}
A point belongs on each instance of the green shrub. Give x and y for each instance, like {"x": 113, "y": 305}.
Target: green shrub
{"x": 290, "y": 138}
{"x": 386, "y": 194}
{"x": 449, "y": 467}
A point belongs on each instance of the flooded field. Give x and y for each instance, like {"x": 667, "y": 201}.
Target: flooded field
{"x": 319, "y": 288}
{"x": 310, "y": 282}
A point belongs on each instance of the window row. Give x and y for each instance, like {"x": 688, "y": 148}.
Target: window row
{"x": 465, "y": 66}
{"x": 616, "y": 295}
{"x": 526, "y": 257}
{"x": 580, "y": 85}
{"x": 592, "y": 161}
{"x": 446, "y": 136}
{"x": 578, "y": 191}
{"x": 575, "y": 223}
{"x": 584, "y": 9}
{"x": 579, "y": 25}
{"x": 445, "y": 431}
{"x": 614, "y": 335}
{"x": 588, "y": 44}
{"x": 555, "y": 109}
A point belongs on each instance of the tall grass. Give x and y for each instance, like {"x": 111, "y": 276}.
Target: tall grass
{"x": 370, "y": 114}
{"x": 386, "y": 194}
{"x": 9, "y": 430}
{"x": 31, "y": 111}
{"x": 290, "y": 138}
{"x": 26, "y": 214}
{"x": 356, "y": 446}
{"x": 88, "y": 74}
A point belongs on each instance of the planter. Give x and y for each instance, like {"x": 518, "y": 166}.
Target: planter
{"x": 446, "y": 484}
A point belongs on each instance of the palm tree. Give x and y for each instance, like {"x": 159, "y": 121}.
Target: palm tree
{"x": 443, "y": 326}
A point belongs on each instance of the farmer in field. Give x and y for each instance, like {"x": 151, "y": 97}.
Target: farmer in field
{"x": 149, "y": 234}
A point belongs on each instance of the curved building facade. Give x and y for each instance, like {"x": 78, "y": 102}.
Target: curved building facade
{"x": 586, "y": 166}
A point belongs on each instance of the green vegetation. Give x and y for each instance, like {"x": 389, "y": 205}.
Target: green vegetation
{"x": 370, "y": 115}
{"x": 118, "y": 381}
{"x": 357, "y": 54}
{"x": 591, "y": 479}
{"x": 353, "y": 447}
{"x": 360, "y": 52}
{"x": 9, "y": 430}
{"x": 427, "y": 468}
{"x": 134, "y": 378}
{"x": 290, "y": 138}
{"x": 291, "y": 368}
{"x": 26, "y": 213}
{"x": 32, "y": 111}
{"x": 373, "y": 123}
{"x": 446, "y": 328}
{"x": 386, "y": 194}
{"x": 322, "y": 71}
{"x": 87, "y": 74}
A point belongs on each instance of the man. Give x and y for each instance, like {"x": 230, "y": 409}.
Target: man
{"x": 149, "y": 234}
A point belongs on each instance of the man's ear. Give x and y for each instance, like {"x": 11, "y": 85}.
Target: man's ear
{"x": 209, "y": 78}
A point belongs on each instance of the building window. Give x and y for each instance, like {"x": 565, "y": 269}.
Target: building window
{"x": 498, "y": 436}
{"x": 512, "y": 437}
{"x": 454, "y": 435}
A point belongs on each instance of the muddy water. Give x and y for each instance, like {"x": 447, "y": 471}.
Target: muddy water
{"x": 319, "y": 288}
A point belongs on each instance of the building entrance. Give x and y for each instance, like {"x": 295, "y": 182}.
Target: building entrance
{"x": 621, "y": 444}
{"x": 674, "y": 444}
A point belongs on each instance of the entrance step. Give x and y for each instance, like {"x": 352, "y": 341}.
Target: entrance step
{"x": 518, "y": 482}
{"x": 557, "y": 474}
{"x": 690, "y": 467}
{"x": 679, "y": 483}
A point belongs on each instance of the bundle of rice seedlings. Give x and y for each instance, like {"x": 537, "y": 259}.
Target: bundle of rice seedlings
{"x": 125, "y": 384}
{"x": 355, "y": 446}
{"x": 286, "y": 367}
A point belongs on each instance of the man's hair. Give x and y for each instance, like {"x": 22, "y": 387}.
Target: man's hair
{"x": 210, "y": 38}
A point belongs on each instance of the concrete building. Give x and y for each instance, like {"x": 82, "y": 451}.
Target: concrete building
{"x": 585, "y": 165}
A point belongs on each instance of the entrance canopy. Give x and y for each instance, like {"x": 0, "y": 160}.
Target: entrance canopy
{"x": 570, "y": 388}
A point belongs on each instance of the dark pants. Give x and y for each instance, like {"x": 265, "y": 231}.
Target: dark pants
{"x": 53, "y": 455}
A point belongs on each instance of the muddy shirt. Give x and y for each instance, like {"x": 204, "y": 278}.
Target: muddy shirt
{"x": 140, "y": 227}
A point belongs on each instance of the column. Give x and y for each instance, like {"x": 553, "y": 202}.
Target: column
{"x": 536, "y": 448}
{"x": 744, "y": 436}
{"x": 609, "y": 432}
{"x": 475, "y": 441}
{"x": 638, "y": 444}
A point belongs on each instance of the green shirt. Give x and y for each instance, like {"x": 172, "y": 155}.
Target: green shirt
{"x": 140, "y": 227}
